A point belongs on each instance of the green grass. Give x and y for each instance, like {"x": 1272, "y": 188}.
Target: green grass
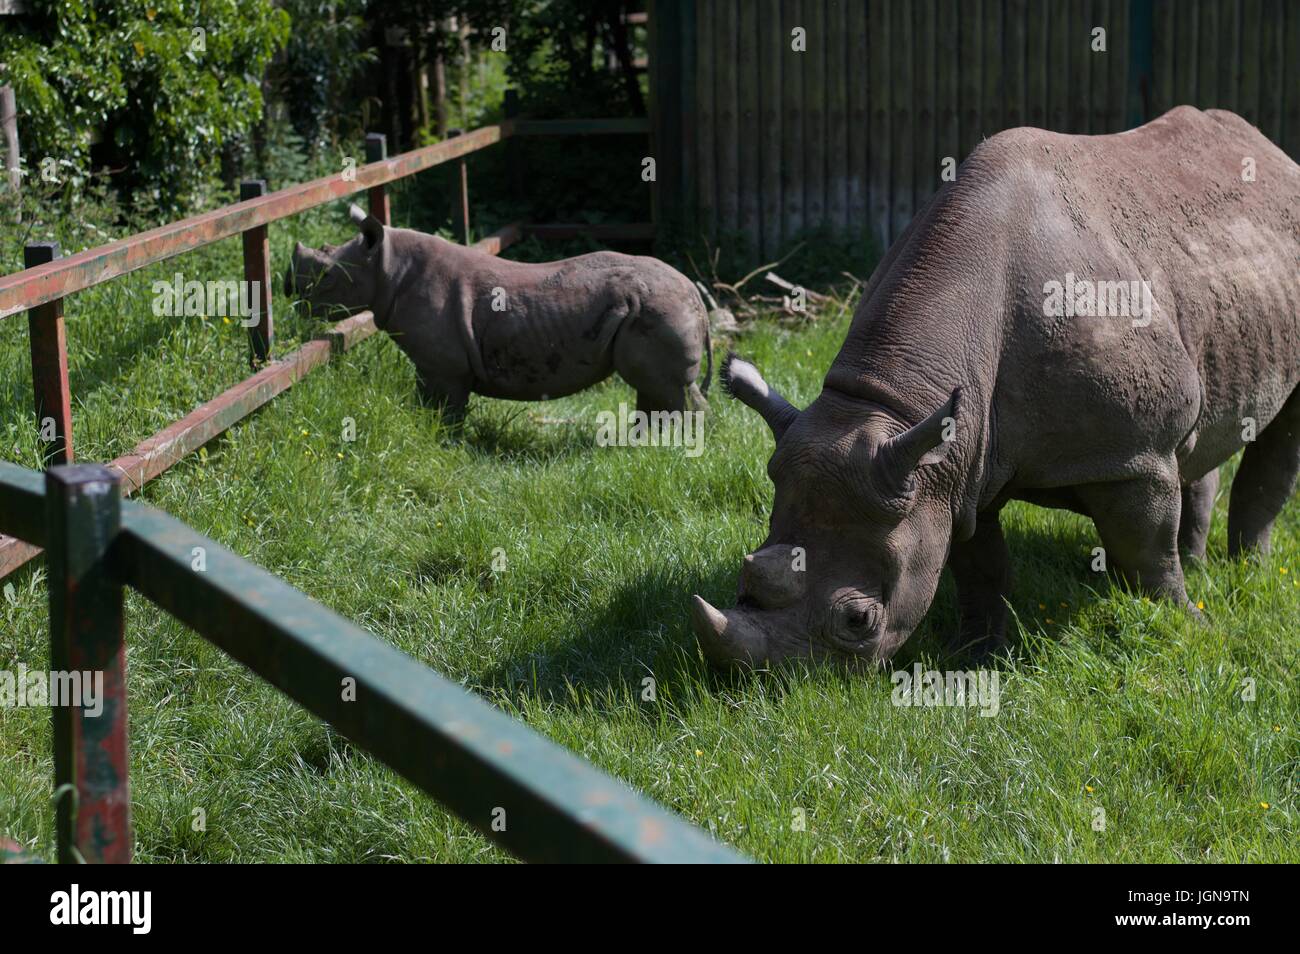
{"x": 1107, "y": 701}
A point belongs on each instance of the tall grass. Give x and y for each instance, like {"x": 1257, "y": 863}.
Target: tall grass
{"x": 1108, "y": 702}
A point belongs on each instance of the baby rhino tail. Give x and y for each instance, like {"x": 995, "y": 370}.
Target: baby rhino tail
{"x": 708, "y": 357}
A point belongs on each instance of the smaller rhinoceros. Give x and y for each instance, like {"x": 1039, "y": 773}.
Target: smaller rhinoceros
{"x": 472, "y": 322}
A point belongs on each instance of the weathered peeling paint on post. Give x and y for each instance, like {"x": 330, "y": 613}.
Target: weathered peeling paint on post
{"x": 257, "y": 270}
{"x": 92, "y": 794}
{"x": 460, "y": 194}
{"x": 49, "y": 346}
{"x": 377, "y": 151}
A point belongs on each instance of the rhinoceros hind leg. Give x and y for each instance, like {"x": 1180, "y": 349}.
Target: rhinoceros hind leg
{"x": 1194, "y": 515}
{"x": 1138, "y": 523}
{"x": 1264, "y": 480}
{"x": 696, "y": 399}
{"x": 658, "y": 361}
{"x": 981, "y": 567}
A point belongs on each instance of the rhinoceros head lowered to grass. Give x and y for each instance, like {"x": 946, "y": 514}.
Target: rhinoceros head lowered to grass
{"x": 858, "y": 536}
{"x": 339, "y": 280}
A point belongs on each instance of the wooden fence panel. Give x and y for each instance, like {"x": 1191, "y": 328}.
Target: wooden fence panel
{"x": 1289, "y": 136}
{"x": 993, "y": 95}
{"x": 726, "y": 98}
{"x": 1013, "y": 47}
{"x": 948, "y": 91}
{"x": 903, "y": 170}
{"x": 850, "y": 133}
{"x": 859, "y": 117}
{"x": 971, "y": 58}
{"x": 1229, "y": 52}
{"x": 1207, "y": 53}
{"x": 1271, "y": 70}
{"x": 704, "y": 171}
{"x": 1248, "y": 63}
{"x": 879, "y": 147}
{"x": 923, "y": 108}
{"x": 1098, "y": 66}
{"x": 1038, "y": 64}
{"x": 749, "y": 77}
{"x": 815, "y": 127}
{"x": 794, "y": 134}
{"x": 1117, "y": 65}
{"x": 771, "y": 52}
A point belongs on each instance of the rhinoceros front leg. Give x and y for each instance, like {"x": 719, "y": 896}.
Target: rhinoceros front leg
{"x": 981, "y": 567}
{"x": 1194, "y": 515}
{"x": 450, "y": 398}
{"x": 1138, "y": 523}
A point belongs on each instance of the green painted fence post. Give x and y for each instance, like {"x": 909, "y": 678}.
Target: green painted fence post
{"x": 87, "y": 653}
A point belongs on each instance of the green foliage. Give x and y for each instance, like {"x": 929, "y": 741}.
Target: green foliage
{"x": 325, "y": 54}
{"x": 553, "y": 46}
{"x": 166, "y": 82}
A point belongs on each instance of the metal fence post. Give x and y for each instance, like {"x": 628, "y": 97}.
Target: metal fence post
{"x": 257, "y": 272}
{"x": 87, "y": 651}
{"x": 460, "y": 193}
{"x": 49, "y": 345}
{"x": 377, "y": 151}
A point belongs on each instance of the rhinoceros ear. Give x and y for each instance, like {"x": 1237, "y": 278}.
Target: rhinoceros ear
{"x": 742, "y": 381}
{"x": 926, "y": 443}
{"x": 370, "y": 227}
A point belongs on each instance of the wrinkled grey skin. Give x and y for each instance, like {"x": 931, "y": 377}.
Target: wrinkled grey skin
{"x": 565, "y": 325}
{"x": 1124, "y": 424}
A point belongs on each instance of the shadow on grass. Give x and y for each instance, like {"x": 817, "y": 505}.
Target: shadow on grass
{"x": 644, "y": 629}
{"x": 524, "y": 434}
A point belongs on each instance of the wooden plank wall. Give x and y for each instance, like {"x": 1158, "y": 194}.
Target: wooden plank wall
{"x": 769, "y": 143}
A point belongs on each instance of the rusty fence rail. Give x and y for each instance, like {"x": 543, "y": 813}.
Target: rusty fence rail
{"x": 532, "y": 797}
{"x": 48, "y": 278}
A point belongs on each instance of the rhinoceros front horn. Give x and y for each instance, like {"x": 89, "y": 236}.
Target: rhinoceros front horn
{"x": 726, "y": 641}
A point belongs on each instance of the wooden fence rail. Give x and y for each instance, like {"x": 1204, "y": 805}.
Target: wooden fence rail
{"x": 522, "y": 791}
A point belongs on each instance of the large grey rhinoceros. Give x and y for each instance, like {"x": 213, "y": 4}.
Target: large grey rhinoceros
{"x": 968, "y": 378}
{"x": 472, "y": 322}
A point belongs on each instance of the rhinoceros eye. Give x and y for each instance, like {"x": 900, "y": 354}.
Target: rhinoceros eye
{"x": 864, "y": 616}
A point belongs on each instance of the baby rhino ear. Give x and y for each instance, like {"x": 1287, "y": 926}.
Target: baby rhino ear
{"x": 370, "y": 227}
